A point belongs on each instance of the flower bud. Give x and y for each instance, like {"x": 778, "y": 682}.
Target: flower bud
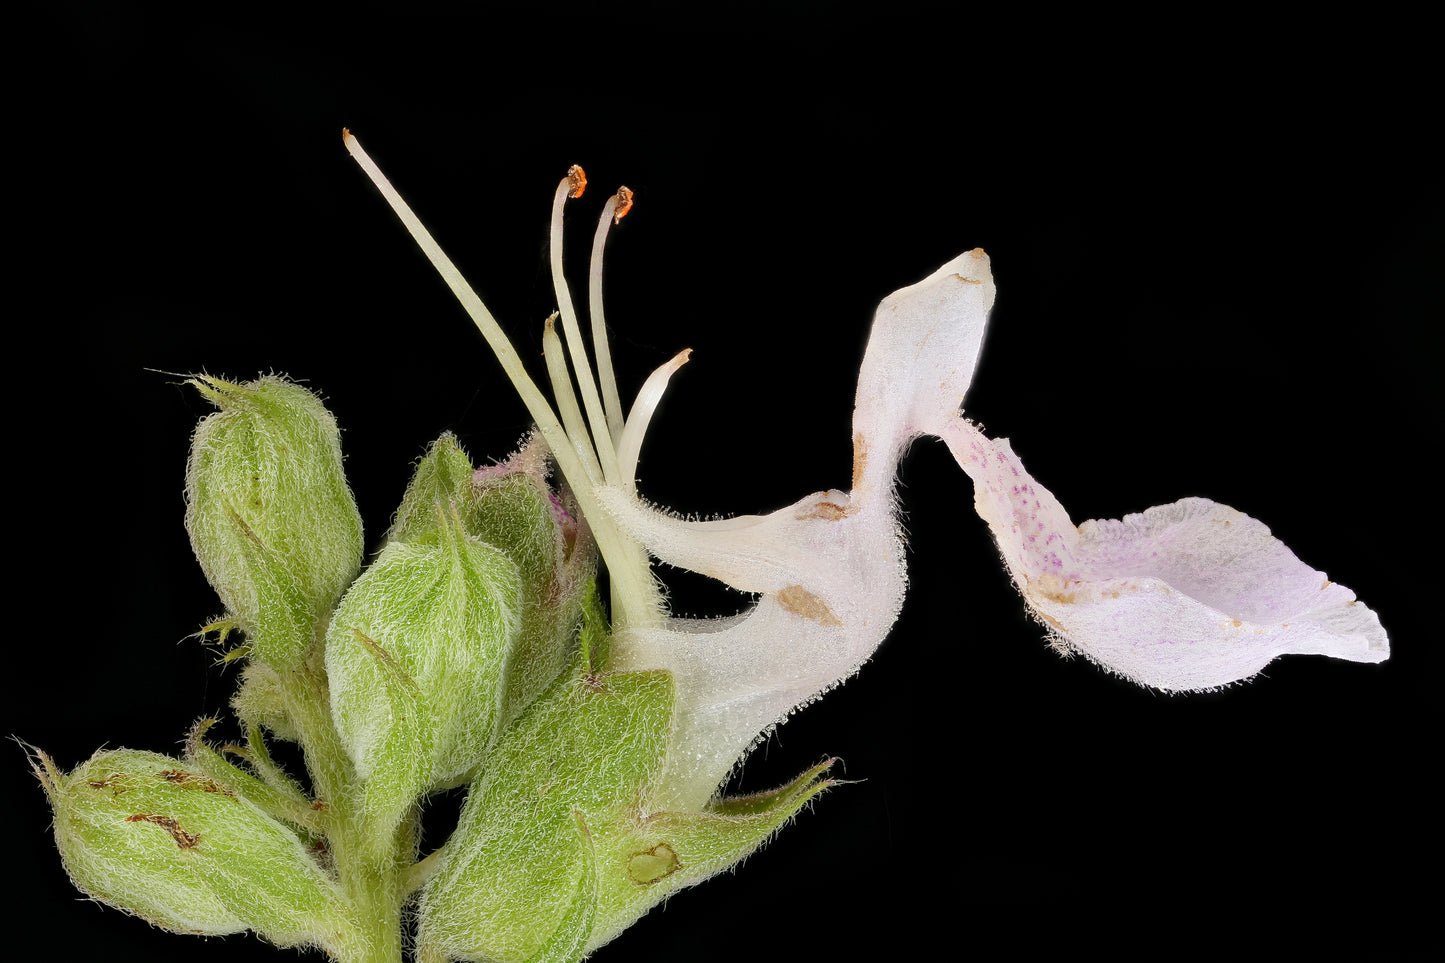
{"x": 260, "y": 702}
{"x": 443, "y": 476}
{"x": 511, "y": 507}
{"x": 558, "y": 849}
{"x": 184, "y": 851}
{"x": 417, "y": 656}
{"x": 514, "y": 509}
{"x": 269, "y": 513}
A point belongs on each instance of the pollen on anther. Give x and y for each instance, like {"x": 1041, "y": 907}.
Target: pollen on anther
{"x": 624, "y": 204}
{"x": 577, "y": 178}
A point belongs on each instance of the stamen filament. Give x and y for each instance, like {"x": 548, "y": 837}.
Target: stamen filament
{"x": 636, "y": 598}
{"x": 567, "y": 400}
{"x": 610, "y": 396}
{"x": 606, "y": 453}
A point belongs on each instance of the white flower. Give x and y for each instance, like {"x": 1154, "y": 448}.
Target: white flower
{"x": 1186, "y": 596}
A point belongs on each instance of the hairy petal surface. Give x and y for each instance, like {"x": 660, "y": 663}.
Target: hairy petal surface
{"x": 1186, "y": 596}
{"x": 831, "y": 577}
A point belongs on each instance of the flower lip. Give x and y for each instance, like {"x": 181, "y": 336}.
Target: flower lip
{"x": 1188, "y": 596}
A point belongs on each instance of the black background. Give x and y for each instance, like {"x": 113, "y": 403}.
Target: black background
{"x": 1218, "y": 260}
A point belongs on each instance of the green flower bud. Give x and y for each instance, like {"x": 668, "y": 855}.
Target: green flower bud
{"x": 269, "y": 513}
{"x": 511, "y": 507}
{"x": 514, "y": 509}
{"x": 186, "y": 852}
{"x": 417, "y": 656}
{"x": 558, "y": 850}
{"x": 443, "y": 477}
{"x": 259, "y": 702}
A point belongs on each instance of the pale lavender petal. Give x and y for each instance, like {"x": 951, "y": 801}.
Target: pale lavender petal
{"x": 1191, "y": 595}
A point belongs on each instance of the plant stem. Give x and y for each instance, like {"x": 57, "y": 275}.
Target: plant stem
{"x": 370, "y": 875}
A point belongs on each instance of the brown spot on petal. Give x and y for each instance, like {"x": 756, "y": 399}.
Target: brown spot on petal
{"x": 977, "y": 253}
{"x": 1053, "y": 588}
{"x": 860, "y": 457}
{"x": 1237, "y": 623}
{"x": 184, "y": 840}
{"x": 829, "y": 511}
{"x": 801, "y": 602}
{"x": 967, "y": 280}
{"x": 1050, "y": 619}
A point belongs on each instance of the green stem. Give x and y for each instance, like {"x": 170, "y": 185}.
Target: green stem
{"x": 370, "y": 876}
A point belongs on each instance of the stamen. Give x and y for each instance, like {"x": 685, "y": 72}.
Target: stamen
{"x": 567, "y": 399}
{"x": 501, "y": 346}
{"x": 613, "y": 400}
{"x": 652, "y": 389}
{"x": 606, "y": 454}
{"x": 636, "y": 599}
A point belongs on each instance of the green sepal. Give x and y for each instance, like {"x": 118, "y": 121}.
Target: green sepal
{"x": 287, "y": 803}
{"x": 509, "y": 876}
{"x": 279, "y": 631}
{"x": 513, "y": 508}
{"x": 259, "y": 756}
{"x": 269, "y": 513}
{"x": 442, "y": 477}
{"x": 510, "y": 507}
{"x": 187, "y": 852}
{"x": 568, "y": 941}
{"x": 645, "y": 857}
{"x": 260, "y": 703}
{"x": 417, "y": 658}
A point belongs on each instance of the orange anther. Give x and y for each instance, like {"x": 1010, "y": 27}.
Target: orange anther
{"x": 624, "y": 204}
{"x": 578, "y": 178}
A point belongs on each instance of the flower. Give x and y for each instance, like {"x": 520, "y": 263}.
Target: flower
{"x": 601, "y": 799}
{"x": 1192, "y": 595}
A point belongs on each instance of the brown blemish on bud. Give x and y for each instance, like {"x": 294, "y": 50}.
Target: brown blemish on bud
{"x": 977, "y": 254}
{"x": 624, "y": 204}
{"x": 577, "y": 180}
{"x": 191, "y": 780}
{"x": 967, "y": 280}
{"x": 829, "y": 511}
{"x": 654, "y": 864}
{"x": 801, "y": 602}
{"x": 184, "y": 840}
{"x": 106, "y": 783}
